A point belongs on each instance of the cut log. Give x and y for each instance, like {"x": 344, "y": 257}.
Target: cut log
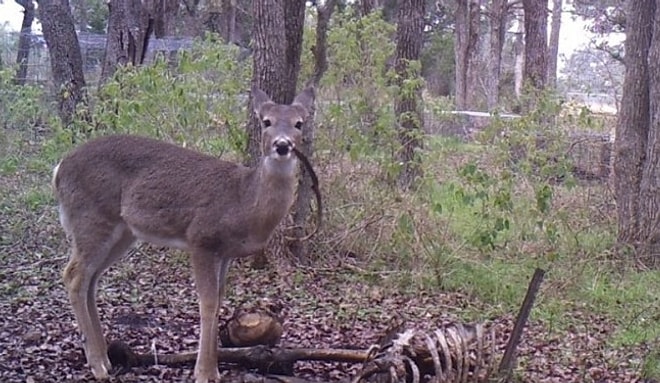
{"x": 247, "y": 328}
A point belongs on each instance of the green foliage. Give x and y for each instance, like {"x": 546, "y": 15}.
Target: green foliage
{"x": 359, "y": 82}
{"x": 199, "y": 101}
{"x": 21, "y": 107}
{"x": 651, "y": 365}
{"x": 97, "y": 15}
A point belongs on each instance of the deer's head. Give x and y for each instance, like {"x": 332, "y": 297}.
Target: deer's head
{"x": 281, "y": 124}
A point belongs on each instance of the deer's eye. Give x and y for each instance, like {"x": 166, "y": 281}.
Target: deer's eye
{"x": 267, "y": 123}
{"x": 299, "y": 125}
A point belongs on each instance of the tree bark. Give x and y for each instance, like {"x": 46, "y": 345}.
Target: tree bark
{"x": 302, "y": 208}
{"x": 213, "y": 22}
{"x": 65, "y": 58}
{"x": 410, "y": 35}
{"x": 229, "y": 12}
{"x": 294, "y": 22}
{"x": 637, "y": 160}
{"x": 519, "y": 56}
{"x": 553, "y": 46}
{"x": 163, "y": 12}
{"x": 268, "y": 73}
{"x": 23, "y": 54}
{"x": 320, "y": 49}
{"x": 536, "y": 29}
{"x": 268, "y": 68}
{"x": 367, "y": 6}
{"x": 466, "y": 39}
{"x": 498, "y": 13}
{"x": 129, "y": 28}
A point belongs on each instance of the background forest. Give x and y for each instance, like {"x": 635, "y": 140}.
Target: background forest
{"x": 457, "y": 152}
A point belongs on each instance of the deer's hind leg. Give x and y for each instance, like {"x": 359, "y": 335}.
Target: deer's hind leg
{"x": 96, "y": 246}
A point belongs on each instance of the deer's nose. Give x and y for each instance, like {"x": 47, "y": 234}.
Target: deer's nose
{"x": 283, "y": 146}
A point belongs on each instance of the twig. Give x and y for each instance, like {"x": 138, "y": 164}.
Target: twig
{"x": 506, "y": 365}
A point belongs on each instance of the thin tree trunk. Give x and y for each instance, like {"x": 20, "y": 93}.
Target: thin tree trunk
{"x": 324, "y": 13}
{"x": 65, "y": 58}
{"x": 410, "y": 35}
{"x": 302, "y": 208}
{"x": 23, "y": 54}
{"x": 519, "y": 61}
{"x": 536, "y": 43}
{"x": 163, "y": 12}
{"x": 213, "y": 21}
{"x": 467, "y": 36}
{"x": 294, "y": 22}
{"x": 229, "y": 12}
{"x": 553, "y": 46}
{"x": 497, "y": 30}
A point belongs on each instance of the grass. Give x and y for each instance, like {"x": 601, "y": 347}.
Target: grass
{"x": 436, "y": 241}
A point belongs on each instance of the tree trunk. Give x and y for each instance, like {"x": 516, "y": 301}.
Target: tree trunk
{"x": 649, "y": 209}
{"x": 294, "y": 22}
{"x": 65, "y": 58}
{"x": 519, "y": 60}
{"x": 268, "y": 73}
{"x": 213, "y": 22}
{"x": 497, "y": 30}
{"x": 536, "y": 30}
{"x": 410, "y": 35}
{"x": 163, "y": 12}
{"x": 467, "y": 36}
{"x": 301, "y": 207}
{"x": 553, "y": 46}
{"x": 229, "y": 12}
{"x": 320, "y": 49}
{"x": 637, "y": 161}
{"x": 23, "y": 55}
{"x": 367, "y": 6}
{"x": 129, "y": 29}
{"x": 268, "y": 68}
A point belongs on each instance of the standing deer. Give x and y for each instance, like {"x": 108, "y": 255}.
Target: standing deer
{"x": 118, "y": 189}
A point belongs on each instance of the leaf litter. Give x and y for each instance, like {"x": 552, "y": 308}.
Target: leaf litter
{"x": 148, "y": 301}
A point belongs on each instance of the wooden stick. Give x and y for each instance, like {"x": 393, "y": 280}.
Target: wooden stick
{"x": 507, "y": 362}
{"x": 122, "y": 355}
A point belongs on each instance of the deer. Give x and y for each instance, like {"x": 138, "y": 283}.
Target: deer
{"x": 115, "y": 190}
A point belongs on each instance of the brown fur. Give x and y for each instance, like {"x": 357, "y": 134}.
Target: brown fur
{"x": 118, "y": 189}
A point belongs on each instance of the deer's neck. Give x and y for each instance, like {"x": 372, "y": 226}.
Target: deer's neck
{"x": 273, "y": 186}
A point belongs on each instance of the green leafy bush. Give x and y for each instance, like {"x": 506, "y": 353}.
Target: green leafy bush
{"x": 199, "y": 100}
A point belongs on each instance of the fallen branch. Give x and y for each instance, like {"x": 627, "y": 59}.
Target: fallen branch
{"x": 507, "y": 362}
{"x": 121, "y": 354}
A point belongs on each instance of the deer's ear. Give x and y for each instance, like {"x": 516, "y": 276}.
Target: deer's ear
{"x": 305, "y": 98}
{"x": 259, "y": 100}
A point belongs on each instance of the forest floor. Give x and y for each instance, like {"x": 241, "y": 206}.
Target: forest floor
{"x": 149, "y": 299}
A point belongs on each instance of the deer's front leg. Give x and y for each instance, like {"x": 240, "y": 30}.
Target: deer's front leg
{"x": 209, "y": 271}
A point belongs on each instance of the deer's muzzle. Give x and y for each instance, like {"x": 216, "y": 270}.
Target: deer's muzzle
{"x": 283, "y": 146}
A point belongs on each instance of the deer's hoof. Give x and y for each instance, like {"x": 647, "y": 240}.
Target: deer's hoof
{"x": 207, "y": 376}
{"x": 100, "y": 372}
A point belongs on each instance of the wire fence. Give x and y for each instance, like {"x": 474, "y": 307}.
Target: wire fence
{"x": 92, "y": 47}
